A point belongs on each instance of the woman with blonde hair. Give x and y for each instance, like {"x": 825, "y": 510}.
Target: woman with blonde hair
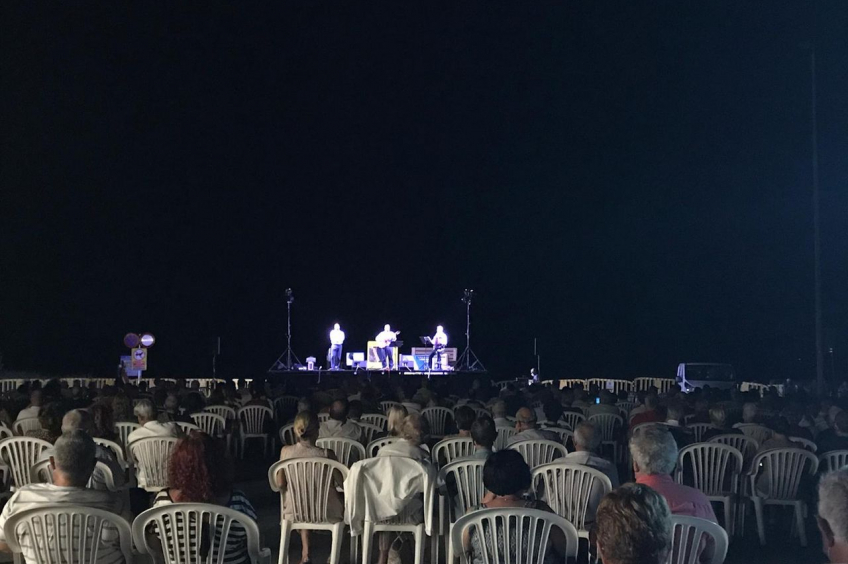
{"x": 306, "y": 427}
{"x": 395, "y": 416}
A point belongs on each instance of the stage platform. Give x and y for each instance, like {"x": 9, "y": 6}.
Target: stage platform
{"x": 463, "y": 374}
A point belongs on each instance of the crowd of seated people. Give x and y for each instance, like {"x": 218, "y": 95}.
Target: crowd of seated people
{"x": 654, "y": 431}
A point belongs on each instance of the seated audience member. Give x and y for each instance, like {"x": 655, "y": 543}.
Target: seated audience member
{"x": 463, "y": 417}
{"x": 395, "y": 417}
{"x": 779, "y": 437}
{"x": 566, "y": 399}
{"x": 484, "y": 433}
{"x": 633, "y": 526}
{"x": 50, "y": 419}
{"x": 553, "y": 413}
{"x": 525, "y": 425}
{"x": 499, "y": 414}
{"x": 718, "y": 419}
{"x": 750, "y": 414}
{"x": 674, "y": 421}
{"x": 506, "y": 478}
{"x": 145, "y": 413}
{"x": 579, "y": 397}
{"x": 34, "y": 407}
{"x": 651, "y": 414}
{"x": 73, "y": 461}
{"x": 354, "y": 411}
{"x": 412, "y": 435}
{"x": 122, "y": 409}
{"x": 607, "y": 405}
{"x": 102, "y": 423}
{"x": 587, "y": 440}
{"x": 833, "y": 515}
{"x": 171, "y": 411}
{"x": 338, "y": 425}
{"x": 836, "y": 438}
{"x": 199, "y": 471}
{"x": 81, "y": 420}
{"x": 654, "y": 455}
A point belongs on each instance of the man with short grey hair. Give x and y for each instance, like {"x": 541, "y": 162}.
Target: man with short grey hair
{"x": 499, "y": 414}
{"x": 833, "y": 515}
{"x": 525, "y": 425}
{"x": 587, "y": 439}
{"x": 145, "y": 411}
{"x": 72, "y": 462}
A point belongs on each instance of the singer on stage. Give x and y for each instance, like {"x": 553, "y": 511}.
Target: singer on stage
{"x": 384, "y": 346}
{"x": 440, "y": 341}
{"x": 337, "y": 338}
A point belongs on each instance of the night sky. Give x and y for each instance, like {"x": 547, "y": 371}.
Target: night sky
{"x": 628, "y": 182}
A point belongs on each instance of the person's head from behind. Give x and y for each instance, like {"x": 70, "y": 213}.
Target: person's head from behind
{"x": 506, "y": 473}
{"x": 73, "y": 459}
{"x": 553, "y": 411}
{"x": 122, "y": 408}
{"x": 750, "y": 412}
{"x": 833, "y": 514}
{"x": 396, "y": 415}
{"x": 306, "y": 426}
{"x": 354, "y": 410}
{"x": 675, "y": 412}
{"x": 654, "y": 450}
{"x": 718, "y": 417}
{"x": 35, "y": 397}
{"x": 525, "y": 419}
{"x": 607, "y": 397}
{"x": 339, "y": 410}
{"x": 199, "y": 469}
{"x": 499, "y": 409}
{"x": 840, "y": 423}
{"x": 414, "y": 429}
{"x": 587, "y": 437}
{"x": 483, "y": 432}
{"x": 50, "y": 418}
{"x": 633, "y": 526}
{"x": 77, "y": 420}
{"x": 145, "y": 411}
{"x": 651, "y": 402}
{"x": 102, "y": 421}
{"x": 464, "y": 417}
{"x": 172, "y": 403}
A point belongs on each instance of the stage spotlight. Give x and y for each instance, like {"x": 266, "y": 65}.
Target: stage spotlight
{"x": 289, "y": 296}
{"x": 468, "y": 295}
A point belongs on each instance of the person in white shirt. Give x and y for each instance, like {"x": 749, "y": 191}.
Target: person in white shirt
{"x": 73, "y": 461}
{"x": 525, "y": 425}
{"x": 145, "y": 411}
{"x": 440, "y": 341}
{"x": 499, "y": 414}
{"x": 338, "y": 425}
{"x": 337, "y": 338}
{"x": 385, "y": 339}
{"x": 587, "y": 439}
{"x": 34, "y": 407}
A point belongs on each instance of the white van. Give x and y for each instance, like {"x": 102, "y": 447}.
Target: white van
{"x": 691, "y": 375}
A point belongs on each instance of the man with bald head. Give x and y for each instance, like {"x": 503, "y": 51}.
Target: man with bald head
{"x": 526, "y": 429}
{"x": 338, "y": 425}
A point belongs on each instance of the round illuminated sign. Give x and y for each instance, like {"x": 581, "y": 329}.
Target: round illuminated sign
{"x": 131, "y": 340}
{"x": 147, "y": 340}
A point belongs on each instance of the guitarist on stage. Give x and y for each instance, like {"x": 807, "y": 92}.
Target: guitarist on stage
{"x": 440, "y": 341}
{"x": 384, "y": 346}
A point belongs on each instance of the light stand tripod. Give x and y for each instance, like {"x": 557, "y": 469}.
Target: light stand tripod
{"x": 279, "y": 364}
{"x": 468, "y": 361}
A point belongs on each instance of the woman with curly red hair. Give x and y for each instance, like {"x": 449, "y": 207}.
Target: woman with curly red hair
{"x": 200, "y": 471}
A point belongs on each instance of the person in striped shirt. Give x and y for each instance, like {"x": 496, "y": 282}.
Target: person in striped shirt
{"x": 73, "y": 462}
{"x": 200, "y": 471}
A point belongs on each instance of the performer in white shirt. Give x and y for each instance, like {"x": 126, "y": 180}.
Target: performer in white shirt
{"x": 384, "y": 346}
{"x": 440, "y": 341}
{"x": 337, "y": 338}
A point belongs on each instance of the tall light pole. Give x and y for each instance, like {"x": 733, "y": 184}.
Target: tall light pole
{"x": 816, "y": 224}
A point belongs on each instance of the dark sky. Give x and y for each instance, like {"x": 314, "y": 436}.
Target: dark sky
{"x": 628, "y": 182}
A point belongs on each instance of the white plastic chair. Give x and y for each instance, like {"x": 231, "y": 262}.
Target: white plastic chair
{"x": 187, "y": 428}
{"x": 225, "y": 411}
{"x": 689, "y": 538}
{"x": 481, "y": 412}
{"x": 210, "y": 423}
{"x": 467, "y": 476}
{"x": 449, "y": 450}
{"x": 385, "y": 405}
{"x": 377, "y": 419}
{"x": 41, "y": 473}
{"x": 805, "y": 443}
{"x": 715, "y": 469}
{"x": 252, "y": 420}
{"x": 608, "y": 424}
{"x": 698, "y": 429}
{"x": 572, "y": 418}
{"x": 539, "y": 451}
{"x": 504, "y": 434}
{"x": 743, "y": 443}
{"x": 625, "y": 406}
{"x": 312, "y": 479}
{"x": 151, "y": 456}
{"x": 323, "y": 417}
{"x": 780, "y": 471}
{"x": 87, "y": 535}
{"x": 369, "y": 431}
{"x": 5, "y": 432}
{"x": 117, "y": 449}
{"x": 20, "y": 454}
{"x": 759, "y": 433}
{"x": 184, "y": 524}
{"x": 374, "y": 446}
{"x": 564, "y": 434}
{"x": 570, "y": 490}
{"x": 23, "y": 426}
{"x": 285, "y": 405}
{"x": 123, "y": 430}
{"x": 833, "y": 460}
{"x": 347, "y": 451}
{"x": 497, "y": 529}
{"x": 287, "y": 436}
{"x": 438, "y": 418}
